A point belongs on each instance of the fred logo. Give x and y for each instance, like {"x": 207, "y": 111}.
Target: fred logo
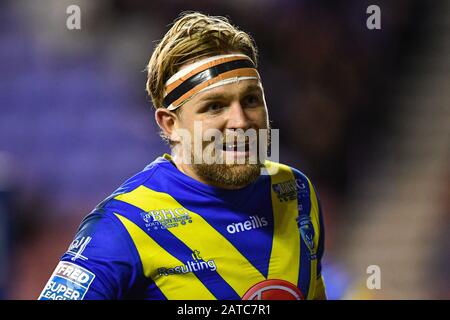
{"x": 68, "y": 282}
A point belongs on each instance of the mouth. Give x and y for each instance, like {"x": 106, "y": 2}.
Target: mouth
{"x": 236, "y": 151}
{"x": 236, "y": 147}
{"x": 240, "y": 150}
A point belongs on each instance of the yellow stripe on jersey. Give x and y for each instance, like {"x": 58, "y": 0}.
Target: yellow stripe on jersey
{"x": 320, "y": 289}
{"x": 232, "y": 266}
{"x": 314, "y": 214}
{"x": 151, "y": 253}
{"x": 285, "y": 256}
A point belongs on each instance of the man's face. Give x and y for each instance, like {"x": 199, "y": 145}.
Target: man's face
{"x": 230, "y": 110}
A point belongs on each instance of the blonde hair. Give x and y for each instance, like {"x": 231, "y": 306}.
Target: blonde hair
{"x": 192, "y": 36}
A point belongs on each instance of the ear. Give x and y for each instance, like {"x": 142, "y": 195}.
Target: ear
{"x": 166, "y": 120}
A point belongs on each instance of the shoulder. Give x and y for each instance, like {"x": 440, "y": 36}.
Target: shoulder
{"x": 141, "y": 177}
{"x": 101, "y": 235}
{"x": 99, "y": 264}
{"x": 279, "y": 172}
{"x": 290, "y": 183}
{"x": 115, "y": 203}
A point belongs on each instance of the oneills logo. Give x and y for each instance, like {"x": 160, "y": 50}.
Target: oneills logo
{"x": 254, "y": 222}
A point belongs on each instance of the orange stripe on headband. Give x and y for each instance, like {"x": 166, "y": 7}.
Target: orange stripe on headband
{"x": 171, "y": 86}
{"x": 244, "y": 72}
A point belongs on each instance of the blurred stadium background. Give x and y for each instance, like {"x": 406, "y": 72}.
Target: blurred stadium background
{"x": 372, "y": 107}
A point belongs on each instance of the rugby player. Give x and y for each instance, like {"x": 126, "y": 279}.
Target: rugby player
{"x": 215, "y": 219}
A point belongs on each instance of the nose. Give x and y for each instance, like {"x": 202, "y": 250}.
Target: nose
{"x": 237, "y": 118}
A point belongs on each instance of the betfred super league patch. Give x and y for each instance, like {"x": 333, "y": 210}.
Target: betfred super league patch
{"x": 68, "y": 282}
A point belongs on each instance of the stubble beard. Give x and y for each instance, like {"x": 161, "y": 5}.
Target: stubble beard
{"x": 229, "y": 175}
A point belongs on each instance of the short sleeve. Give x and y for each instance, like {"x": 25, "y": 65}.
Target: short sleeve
{"x": 99, "y": 264}
{"x": 321, "y": 246}
{"x": 320, "y": 289}
{"x": 320, "y": 229}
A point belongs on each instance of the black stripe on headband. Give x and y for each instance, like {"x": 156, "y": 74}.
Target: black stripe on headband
{"x": 203, "y": 76}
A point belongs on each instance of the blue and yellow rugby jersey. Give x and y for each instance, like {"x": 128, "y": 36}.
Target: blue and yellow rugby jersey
{"x": 164, "y": 235}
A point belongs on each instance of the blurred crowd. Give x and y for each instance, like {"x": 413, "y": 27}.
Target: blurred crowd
{"x": 75, "y": 121}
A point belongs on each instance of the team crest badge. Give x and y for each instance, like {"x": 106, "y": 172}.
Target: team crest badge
{"x": 307, "y": 233}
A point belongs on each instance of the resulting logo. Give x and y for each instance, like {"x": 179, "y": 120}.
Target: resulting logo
{"x": 77, "y": 247}
{"x": 273, "y": 289}
{"x": 165, "y": 218}
{"x": 195, "y": 265}
{"x": 254, "y": 222}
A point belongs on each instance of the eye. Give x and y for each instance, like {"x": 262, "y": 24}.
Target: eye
{"x": 214, "y": 107}
{"x": 252, "y": 100}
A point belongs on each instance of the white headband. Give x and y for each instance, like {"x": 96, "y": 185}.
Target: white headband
{"x": 206, "y": 74}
